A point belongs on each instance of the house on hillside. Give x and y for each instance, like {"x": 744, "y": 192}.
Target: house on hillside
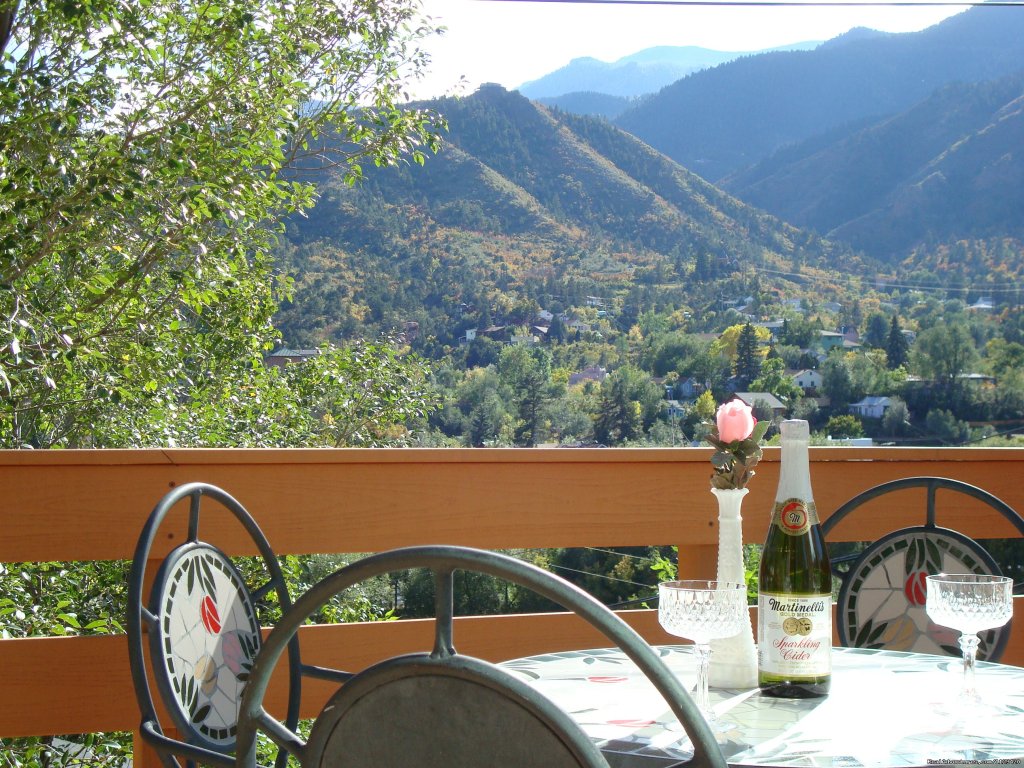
{"x": 674, "y": 409}
{"x": 524, "y": 340}
{"x": 830, "y": 340}
{"x": 808, "y": 380}
{"x": 495, "y": 332}
{"x": 978, "y": 379}
{"x": 871, "y": 407}
{"x": 774, "y": 327}
{"x": 592, "y": 373}
{"x": 690, "y": 388}
{"x": 778, "y": 407}
{"x": 283, "y": 356}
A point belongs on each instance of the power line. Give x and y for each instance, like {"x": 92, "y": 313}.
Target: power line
{"x": 646, "y": 558}
{"x": 903, "y": 286}
{"x": 600, "y": 576}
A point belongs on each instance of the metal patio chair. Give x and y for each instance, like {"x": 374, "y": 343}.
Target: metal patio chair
{"x": 200, "y": 625}
{"x": 881, "y": 601}
{"x": 441, "y": 709}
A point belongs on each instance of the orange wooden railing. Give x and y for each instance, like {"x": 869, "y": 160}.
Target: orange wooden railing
{"x": 90, "y": 505}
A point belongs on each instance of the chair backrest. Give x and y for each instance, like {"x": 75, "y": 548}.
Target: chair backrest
{"x": 439, "y": 708}
{"x": 200, "y": 623}
{"x": 881, "y": 601}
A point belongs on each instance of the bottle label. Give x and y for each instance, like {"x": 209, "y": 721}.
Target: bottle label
{"x": 795, "y": 634}
{"x": 795, "y": 516}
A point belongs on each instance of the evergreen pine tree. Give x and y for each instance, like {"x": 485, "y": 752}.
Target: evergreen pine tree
{"x": 702, "y": 266}
{"x": 897, "y": 349}
{"x": 618, "y": 418}
{"x": 748, "y": 361}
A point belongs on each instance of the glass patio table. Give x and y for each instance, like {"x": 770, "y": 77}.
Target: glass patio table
{"x": 886, "y": 709}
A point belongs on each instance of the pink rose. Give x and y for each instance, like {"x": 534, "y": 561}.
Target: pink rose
{"x": 735, "y": 421}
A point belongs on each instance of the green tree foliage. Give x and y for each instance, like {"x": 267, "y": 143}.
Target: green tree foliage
{"x": 896, "y": 421}
{"x": 799, "y": 332}
{"x": 526, "y": 372}
{"x": 843, "y": 426}
{"x": 748, "y": 355}
{"x": 149, "y": 154}
{"x": 1004, "y": 357}
{"x": 876, "y": 333}
{"x": 942, "y": 353}
{"x": 946, "y": 428}
{"x": 897, "y": 348}
{"x": 773, "y": 378}
{"x": 836, "y": 381}
{"x": 618, "y": 419}
{"x": 629, "y": 404}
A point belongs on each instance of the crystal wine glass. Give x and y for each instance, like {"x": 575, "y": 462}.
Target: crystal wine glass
{"x": 702, "y": 611}
{"x": 970, "y": 603}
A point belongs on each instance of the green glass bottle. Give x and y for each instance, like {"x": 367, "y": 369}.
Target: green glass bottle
{"x": 794, "y": 612}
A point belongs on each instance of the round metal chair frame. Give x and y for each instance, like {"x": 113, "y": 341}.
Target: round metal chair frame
{"x": 144, "y": 619}
{"x": 997, "y": 639}
{"x": 443, "y": 561}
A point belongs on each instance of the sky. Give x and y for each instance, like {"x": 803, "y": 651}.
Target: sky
{"x": 512, "y": 43}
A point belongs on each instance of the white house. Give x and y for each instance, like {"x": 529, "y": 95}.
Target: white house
{"x": 807, "y": 379}
{"x": 674, "y": 409}
{"x": 871, "y": 407}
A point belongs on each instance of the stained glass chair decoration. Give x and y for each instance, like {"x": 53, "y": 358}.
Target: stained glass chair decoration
{"x": 440, "y": 708}
{"x": 200, "y": 623}
{"x": 881, "y": 602}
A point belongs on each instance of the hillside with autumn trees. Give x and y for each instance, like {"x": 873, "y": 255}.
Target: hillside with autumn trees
{"x": 567, "y": 284}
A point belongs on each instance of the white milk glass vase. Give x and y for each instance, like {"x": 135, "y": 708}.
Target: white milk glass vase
{"x": 733, "y": 659}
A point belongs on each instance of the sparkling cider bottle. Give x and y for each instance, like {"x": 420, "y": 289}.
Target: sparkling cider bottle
{"x": 794, "y": 611}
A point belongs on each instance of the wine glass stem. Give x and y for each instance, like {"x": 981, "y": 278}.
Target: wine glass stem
{"x": 703, "y": 651}
{"x": 969, "y": 645}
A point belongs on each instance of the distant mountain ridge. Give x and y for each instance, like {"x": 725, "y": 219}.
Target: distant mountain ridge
{"x": 950, "y": 167}
{"x": 755, "y": 105}
{"x": 638, "y": 74}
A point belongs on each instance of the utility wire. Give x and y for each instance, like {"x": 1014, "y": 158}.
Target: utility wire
{"x": 904, "y": 286}
{"x": 600, "y": 576}
{"x": 620, "y": 554}
{"x": 790, "y": 3}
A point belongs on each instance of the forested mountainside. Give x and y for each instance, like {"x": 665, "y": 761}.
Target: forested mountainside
{"x": 947, "y": 169}
{"x": 589, "y": 103}
{"x": 721, "y": 120}
{"x": 521, "y": 202}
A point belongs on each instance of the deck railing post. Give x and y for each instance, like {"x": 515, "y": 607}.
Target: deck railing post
{"x": 698, "y": 561}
